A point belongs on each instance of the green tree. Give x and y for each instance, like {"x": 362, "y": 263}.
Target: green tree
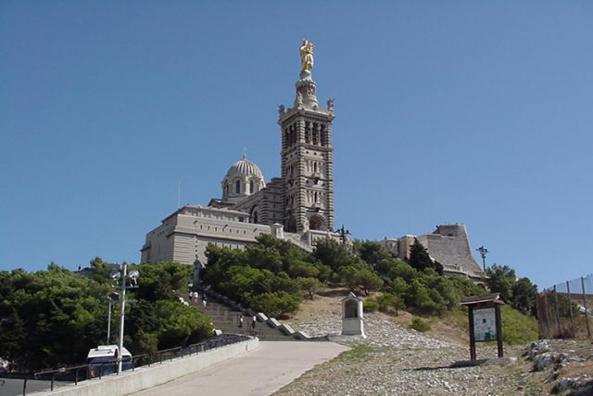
{"x": 420, "y": 259}
{"x": 372, "y": 252}
{"x": 161, "y": 281}
{"x": 501, "y": 279}
{"x": 368, "y": 280}
{"x": 44, "y": 311}
{"x": 275, "y": 303}
{"x": 524, "y": 295}
{"x": 309, "y": 285}
{"x": 348, "y": 277}
{"x": 299, "y": 268}
{"x": 334, "y": 254}
{"x": 389, "y": 303}
{"x": 418, "y": 296}
{"x": 52, "y": 318}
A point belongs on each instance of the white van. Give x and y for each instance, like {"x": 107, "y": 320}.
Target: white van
{"x": 102, "y": 360}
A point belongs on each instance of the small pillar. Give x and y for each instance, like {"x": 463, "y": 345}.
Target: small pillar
{"x": 277, "y": 230}
{"x": 352, "y": 316}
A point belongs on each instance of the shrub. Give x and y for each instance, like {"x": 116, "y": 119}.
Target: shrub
{"x": 302, "y": 269}
{"x": 368, "y": 280}
{"x": 275, "y": 303}
{"x": 517, "y": 328}
{"x": 325, "y": 272}
{"x": 420, "y": 325}
{"x": 348, "y": 276}
{"x": 370, "y": 305}
{"x": 418, "y": 296}
{"x": 309, "y": 285}
{"x": 399, "y": 286}
{"x": 389, "y": 303}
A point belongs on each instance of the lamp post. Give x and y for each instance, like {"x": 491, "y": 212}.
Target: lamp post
{"x": 111, "y": 297}
{"x": 483, "y": 252}
{"x": 133, "y": 276}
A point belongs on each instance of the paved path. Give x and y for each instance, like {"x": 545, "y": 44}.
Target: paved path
{"x": 260, "y": 372}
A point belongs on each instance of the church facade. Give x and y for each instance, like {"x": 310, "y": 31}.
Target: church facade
{"x": 297, "y": 206}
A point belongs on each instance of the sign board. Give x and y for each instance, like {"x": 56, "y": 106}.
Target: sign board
{"x": 485, "y": 324}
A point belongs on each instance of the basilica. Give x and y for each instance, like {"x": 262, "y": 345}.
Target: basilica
{"x": 297, "y": 206}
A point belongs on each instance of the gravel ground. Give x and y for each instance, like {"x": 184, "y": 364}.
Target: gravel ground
{"x": 397, "y": 361}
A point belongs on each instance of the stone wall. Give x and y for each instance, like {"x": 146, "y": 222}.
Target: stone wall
{"x": 147, "y": 377}
{"x": 448, "y": 244}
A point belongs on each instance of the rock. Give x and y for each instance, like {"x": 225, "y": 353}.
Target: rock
{"x": 537, "y": 348}
{"x": 581, "y": 385}
{"x": 540, "y": 362}
{"x": 551, "y": 376}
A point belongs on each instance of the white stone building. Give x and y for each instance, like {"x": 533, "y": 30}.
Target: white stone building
{"x": 297, "y": 206}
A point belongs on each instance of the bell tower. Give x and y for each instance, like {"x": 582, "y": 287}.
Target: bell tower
{"x": 307, "y": 155}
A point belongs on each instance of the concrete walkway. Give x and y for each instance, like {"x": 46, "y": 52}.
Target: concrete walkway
{"x": 261, "y": 372}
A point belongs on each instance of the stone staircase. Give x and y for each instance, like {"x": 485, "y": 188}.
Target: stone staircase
{"x": 226, "y": 318}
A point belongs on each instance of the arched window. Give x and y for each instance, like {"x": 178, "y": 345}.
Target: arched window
{"x": 226, "y": 188}
{"x": 251, "y": 186}
{"x": 238, "y": 187}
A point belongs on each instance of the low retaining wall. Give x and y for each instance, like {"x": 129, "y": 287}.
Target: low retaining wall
{"x": 147, "y": 377}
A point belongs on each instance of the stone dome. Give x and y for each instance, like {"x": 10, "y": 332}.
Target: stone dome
{"x": 242, "y": 179}
{"x": 244, "y": 167}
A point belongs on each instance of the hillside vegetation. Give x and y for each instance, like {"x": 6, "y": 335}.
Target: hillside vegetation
{"x": 52, "y": 318}
{"x": 274, "y": 276}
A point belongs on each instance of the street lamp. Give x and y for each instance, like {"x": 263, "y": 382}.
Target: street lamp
{"x": 483, "y": 252}
{"x": 111, "y": 297}
{"x": 133, "y": 277}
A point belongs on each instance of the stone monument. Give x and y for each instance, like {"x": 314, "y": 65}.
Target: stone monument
{"x": 352, "y": 315}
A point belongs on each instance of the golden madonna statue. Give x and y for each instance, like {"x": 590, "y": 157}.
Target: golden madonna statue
{"x": 306, "y": 51}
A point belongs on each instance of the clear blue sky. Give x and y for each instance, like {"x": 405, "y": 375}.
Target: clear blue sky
{"x": 475, "y": 112}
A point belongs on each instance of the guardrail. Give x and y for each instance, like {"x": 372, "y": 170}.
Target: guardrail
{"x": 75, "y": 374}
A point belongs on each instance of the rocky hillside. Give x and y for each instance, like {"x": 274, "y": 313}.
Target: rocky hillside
{"x": 397, "y": 360}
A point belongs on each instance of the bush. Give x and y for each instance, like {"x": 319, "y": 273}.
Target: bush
{"x": 275, "y": 304}
{"x": 368, "y": 280}
{"x": 420, "y": 325}
{"x": 370, "y": 305}
{"x": 418, "y": 296}
{"x": 309, "y": 285}
{"x": 390, "y": 303}
{"x": 517, "y": 328}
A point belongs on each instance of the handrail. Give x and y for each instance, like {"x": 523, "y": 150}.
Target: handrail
{"x": 87, "y": 371}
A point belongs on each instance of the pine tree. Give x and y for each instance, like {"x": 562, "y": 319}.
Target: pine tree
{"x": 419, "y": 257}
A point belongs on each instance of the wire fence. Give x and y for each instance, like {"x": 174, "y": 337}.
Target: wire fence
{"x": 20, "y": 384}
{"x": 566, "y": 309}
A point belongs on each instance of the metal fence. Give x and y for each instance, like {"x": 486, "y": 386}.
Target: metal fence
{"x": 566, "y": 309}
{"x": 50, "y": 379}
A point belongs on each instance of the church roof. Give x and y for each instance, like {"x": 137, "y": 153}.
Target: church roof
{"x": 244, "y": 167}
